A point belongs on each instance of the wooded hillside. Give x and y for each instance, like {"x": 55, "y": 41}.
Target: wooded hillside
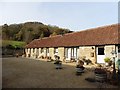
{"x": 29, "y": 31}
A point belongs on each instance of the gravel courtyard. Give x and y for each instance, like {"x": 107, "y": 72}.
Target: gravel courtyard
{"x": 29, "y": 73}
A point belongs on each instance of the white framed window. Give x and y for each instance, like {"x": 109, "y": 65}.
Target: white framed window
{"x": 56, "y": 51}
{"x": 71, "y": 52}
{"x": 47, "y": 50}
{"x": 101, "y": 51}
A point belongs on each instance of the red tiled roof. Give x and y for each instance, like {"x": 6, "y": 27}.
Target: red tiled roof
{"x": 96, "y": 36}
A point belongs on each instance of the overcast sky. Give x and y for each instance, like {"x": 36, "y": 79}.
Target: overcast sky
{"x": 75, "y": 16}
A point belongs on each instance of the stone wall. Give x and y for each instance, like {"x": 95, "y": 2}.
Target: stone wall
{"x": 51, "y": 52}
{"x": 61, "y": 53}
{"x": 108, "y": 50}
{"x": 89, "y": 52}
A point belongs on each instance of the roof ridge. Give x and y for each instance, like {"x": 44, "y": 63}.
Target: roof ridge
{"x": 92, "y": 28}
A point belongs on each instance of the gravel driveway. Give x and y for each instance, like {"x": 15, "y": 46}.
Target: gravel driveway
{"x": 29, "y": 73}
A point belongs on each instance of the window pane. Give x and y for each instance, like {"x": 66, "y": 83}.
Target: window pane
{"x": 101, "y": 51}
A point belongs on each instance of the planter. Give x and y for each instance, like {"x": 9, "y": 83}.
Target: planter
{"x": 58, "y": 66}
{"x": 100, "y": 77}
{"x": 100, "y": 74}
{"x": 79, "y": 70}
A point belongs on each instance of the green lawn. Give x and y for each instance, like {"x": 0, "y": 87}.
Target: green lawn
{"x": 13, "y": 43}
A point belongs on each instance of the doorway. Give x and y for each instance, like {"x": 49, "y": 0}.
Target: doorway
{"x": 100, "y": 54}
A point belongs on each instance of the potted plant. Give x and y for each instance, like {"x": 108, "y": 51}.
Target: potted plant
{"x": 58, "y": 63}
{"x": 79, "y": 67}
{"x": 107, "y": 60}
{"x": 100, "y": 74}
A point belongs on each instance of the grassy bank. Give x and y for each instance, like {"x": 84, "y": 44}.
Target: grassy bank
{"x": 14, "y": 44}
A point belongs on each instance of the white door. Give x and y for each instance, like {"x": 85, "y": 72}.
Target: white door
{"x": 100, "y": 54}
{"x": 69, "y": 53}
{"x": 75, "y": 52}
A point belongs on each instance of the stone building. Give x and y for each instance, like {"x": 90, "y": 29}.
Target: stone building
{"x": 94, "y": 44}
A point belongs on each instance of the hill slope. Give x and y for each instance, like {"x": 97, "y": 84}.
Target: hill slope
{"x": 30, "y": 30}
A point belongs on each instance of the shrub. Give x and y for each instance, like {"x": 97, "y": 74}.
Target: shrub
{"x": 107, "y": 59}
